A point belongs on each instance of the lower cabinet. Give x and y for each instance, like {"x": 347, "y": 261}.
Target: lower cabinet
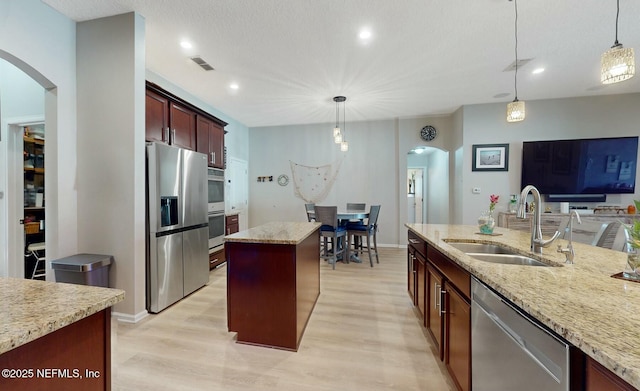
{"x": 216, "y": 258}
{"x": 421, "y": 269}
{"x": 599, "y": 378}
{"x": 457, "y": 344}
{"x": 434, "y": 320}
{"x": 442, "y": 295}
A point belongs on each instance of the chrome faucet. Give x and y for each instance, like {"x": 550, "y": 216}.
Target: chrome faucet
{"x": 537, "y": 242}
{"x": 568, "y": 251}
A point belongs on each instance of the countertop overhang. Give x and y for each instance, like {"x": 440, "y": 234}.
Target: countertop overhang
{"x": 276, "y": 232}
{"x": 581, "y": 302}
{"x": 31, "y": 309}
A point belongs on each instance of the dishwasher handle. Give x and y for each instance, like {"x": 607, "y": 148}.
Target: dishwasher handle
{"x": 537, "y": 356}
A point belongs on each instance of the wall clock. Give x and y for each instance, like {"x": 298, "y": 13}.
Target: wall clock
{"x": 283, "y": 180}
{"x": 428, "y": 133}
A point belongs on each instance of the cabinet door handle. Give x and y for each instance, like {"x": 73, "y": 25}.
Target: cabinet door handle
{"x": 436, "y": 305}
{"x": 213, "y": 159}
{"x": 443, "y": 309}
{"x": 173, "y": 136}
{"x": 165, "y": 134}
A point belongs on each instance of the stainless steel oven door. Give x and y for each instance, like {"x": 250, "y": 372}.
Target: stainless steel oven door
{"x": 215, "y": 181}
{"x": 216, "y": 229}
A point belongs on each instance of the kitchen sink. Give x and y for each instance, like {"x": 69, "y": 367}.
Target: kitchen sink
{"x": 495, "y": 253}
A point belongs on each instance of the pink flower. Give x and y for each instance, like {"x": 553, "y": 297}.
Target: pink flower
{"x": 493, "y": 200}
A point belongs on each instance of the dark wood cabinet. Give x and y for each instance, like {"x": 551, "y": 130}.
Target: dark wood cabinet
{"x": 172, "y": 120}
{"x": 442, "y": 292}
{"x": 156, "y": 117}
{"x": 434, "y": 320}
{"x": 216, "y": 258}
{"x": 411, "y": 275}
{"x": 232, "y": 224}
{"x": 598, "y": 378}
{"x": 210, "y": 141}
{"x": 421, "y": 274}
{"x": 182, "y": 125}
{"x": 457, "y": 344}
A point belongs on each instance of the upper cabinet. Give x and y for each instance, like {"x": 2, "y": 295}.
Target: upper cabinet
{"x": 157, "y": 117}
{"x": 210, "y": 136}
{"x": 171, "y": 120}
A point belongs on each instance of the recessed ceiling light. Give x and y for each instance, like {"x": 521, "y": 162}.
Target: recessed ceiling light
{"x": 537, "y": 70}
{"x": 365, "y": 34}
{"x": 186, "y": 44}
{"x": 234, "y": 86}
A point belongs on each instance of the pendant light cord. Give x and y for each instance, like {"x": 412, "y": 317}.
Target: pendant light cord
{"x": 515, "y": 77}
{"x": 617, "y": 16}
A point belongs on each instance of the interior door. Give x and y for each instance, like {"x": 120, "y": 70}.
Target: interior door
{"x": 15, "y": 203}
{"x": 237, "y": 189}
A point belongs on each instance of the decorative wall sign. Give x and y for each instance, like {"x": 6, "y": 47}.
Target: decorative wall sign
{"x": 268, "y": 178}
{"x": 490, "y": 157}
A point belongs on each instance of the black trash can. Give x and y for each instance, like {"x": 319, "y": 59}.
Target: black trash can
{"x": 83, "y": 269}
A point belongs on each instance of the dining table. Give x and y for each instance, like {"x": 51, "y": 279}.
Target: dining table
{"x": 347, "y": 214}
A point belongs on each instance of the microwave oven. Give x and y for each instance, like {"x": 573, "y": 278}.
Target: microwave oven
{"x": 215, "y": 186}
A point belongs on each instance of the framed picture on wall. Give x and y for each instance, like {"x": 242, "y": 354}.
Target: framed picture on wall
{"x": 490, "y": 157}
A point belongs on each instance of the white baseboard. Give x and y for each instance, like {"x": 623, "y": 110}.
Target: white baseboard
{"x": 128, "y": 318}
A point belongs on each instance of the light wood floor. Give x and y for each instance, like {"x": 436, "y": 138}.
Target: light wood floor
{"x": 363, "y": 335}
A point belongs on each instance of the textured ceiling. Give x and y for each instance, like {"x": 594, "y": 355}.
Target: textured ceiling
{"x": 425, "y": 57}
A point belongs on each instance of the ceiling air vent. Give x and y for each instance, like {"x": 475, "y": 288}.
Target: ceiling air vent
{"x": 203, "y": 64}
{"x": 522, "y": 62}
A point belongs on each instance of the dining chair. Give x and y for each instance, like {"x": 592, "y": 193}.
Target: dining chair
{"x": 331, "y": 233}
{"x": 355, "y": 206}
{"x": 309, "y": 208}
{"x": 368, "y": 230}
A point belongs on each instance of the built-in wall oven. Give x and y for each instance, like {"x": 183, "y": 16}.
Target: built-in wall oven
{"x": 215, "y": 181}
{"x": 216, "y": 230}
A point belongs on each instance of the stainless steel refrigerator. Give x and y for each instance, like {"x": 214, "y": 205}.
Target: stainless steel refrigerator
{"x": 177, "y": 224}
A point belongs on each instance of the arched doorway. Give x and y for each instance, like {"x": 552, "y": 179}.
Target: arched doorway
{"x": 23, "y": 92}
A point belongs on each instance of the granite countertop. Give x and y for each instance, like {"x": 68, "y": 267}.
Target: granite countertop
{"x": 581, "y": 302}
{"x": 275, "y": 233}
{"x": 31, "y": 309}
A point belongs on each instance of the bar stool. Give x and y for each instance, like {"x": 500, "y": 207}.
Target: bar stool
{"x": 331, "y": 233}
{"x": 33, "y": 250}
{"x": 369, "y": 230}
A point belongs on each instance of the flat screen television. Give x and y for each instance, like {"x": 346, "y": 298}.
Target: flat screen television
{"x": 586, "y": 169}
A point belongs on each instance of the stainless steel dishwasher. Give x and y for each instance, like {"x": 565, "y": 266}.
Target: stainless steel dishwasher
{"x": 510, "y": 350}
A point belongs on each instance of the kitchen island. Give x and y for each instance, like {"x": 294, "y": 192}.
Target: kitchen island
{"x": 581, "y": 302}
{"x": 55, "y": 336}
{"x": 273, "y": 282}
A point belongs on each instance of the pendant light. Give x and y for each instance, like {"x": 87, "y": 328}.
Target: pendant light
{"x": 344, "y": 145}
{"x": 515, "y": 109}
{"x": 618, "y": 63}
{"x": 337, "y": 136}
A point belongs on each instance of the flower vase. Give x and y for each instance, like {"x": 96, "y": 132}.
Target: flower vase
{"x": 632, "y": 268}
{"x": 486, "y": 223}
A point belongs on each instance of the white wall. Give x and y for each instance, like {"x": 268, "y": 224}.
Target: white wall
{"x": 111, "y": 152}
{"x": 585, "y": 117}
{"x": 41, "y": 42}
{"x": 367, "y": 174}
